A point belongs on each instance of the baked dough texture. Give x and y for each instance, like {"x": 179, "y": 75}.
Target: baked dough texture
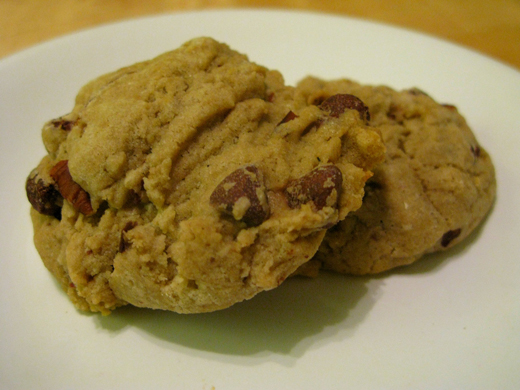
{"x": 193, "y": 181}
{"x": 434, "y": 188}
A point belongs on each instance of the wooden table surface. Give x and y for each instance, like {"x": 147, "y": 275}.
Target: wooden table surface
{"x": 491, "y": 27}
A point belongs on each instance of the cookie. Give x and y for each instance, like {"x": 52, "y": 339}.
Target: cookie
{"x": 193, "y": 181}
{"x": 436, "y": 185}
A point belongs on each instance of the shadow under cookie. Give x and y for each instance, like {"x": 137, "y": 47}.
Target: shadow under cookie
{"x": 287, "y": 320}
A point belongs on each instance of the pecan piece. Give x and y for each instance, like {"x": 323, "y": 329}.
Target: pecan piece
{"x": 337, "y": 104}
{"x": 43, "y": 196}
{"x": 322, "y": 186}
{"x": 242, "y": 195}
{"x": 289, "y": 117}
{"x": 71, "y": 190}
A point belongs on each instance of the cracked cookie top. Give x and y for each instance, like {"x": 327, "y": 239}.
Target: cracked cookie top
{"x": 194, "y": 181}
{"x": 435, "y": 186}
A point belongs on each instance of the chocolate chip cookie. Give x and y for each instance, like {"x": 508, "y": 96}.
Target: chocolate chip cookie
{"x": 434, "y": 188}
{"x": 193, "y": 181}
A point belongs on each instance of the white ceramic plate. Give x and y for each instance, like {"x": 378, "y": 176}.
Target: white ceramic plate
{"x": 451, "y": 321}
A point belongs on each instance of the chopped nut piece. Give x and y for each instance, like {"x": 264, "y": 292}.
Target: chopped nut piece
{"x": 322, "y": 186}
{"x": 71, "y": 190}
{"x": 289, "y": 117}
{"x": 242, "y": 195}
{"x": 337, "y": 104}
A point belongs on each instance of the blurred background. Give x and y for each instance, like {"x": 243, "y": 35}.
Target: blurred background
{"x": 491, "y": 27}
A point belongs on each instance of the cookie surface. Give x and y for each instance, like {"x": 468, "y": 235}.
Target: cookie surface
{"x": 435, "y": 186}
{"x": 193, "y": 181}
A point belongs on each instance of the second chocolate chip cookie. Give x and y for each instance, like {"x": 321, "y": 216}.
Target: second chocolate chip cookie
{"x": 434, "y": 188}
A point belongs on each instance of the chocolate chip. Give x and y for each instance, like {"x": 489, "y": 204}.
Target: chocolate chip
{"x": 43, "y": 196}
{"x": 63, "y": 124}
{"x": 337, "y": 104}
{"x": 242, "y": 195}
{"x": 449, "y": 236}
{"x": 321, "y": 186}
